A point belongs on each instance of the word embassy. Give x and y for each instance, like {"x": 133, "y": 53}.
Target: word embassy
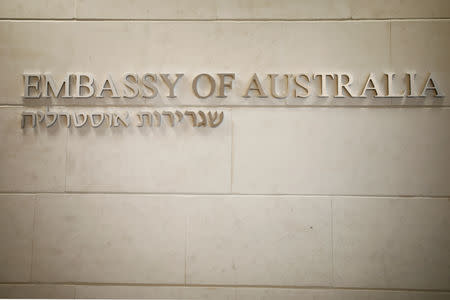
{"x": 220, "y": 85}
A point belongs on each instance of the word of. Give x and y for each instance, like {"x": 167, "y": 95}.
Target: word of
{"x": 280, "y": 86}
{"x": 155, "y": 118}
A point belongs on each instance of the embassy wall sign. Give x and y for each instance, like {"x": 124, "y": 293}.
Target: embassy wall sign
{"x": 205, "y": 86}
{"x": 132, "y": 85}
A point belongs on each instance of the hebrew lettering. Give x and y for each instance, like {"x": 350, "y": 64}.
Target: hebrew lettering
{"x": 193, "y": 117}
{"x": 77, "y": 122}
{"x": 29, "y": 114}
{"x": 170, "y": 116}
{"x": 118, "y": 119}
{"x": 213, "y": 118}
{"x": 179, "y": 115}
{"x": 96, "y": 119}
{"x": 158, "y": 118}
{"x": 53, "y": 121}
{"x": 99, "y": 123}
{"x": 141, "y": 119}
{"x": 41, "y": 116}
{"x": 203, "y": 122}
{"x": 68, "y": 119}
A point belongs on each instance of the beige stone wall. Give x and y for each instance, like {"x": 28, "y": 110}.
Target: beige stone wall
{"x": 317, "y": 198}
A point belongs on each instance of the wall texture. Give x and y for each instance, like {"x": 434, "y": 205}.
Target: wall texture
{"x": 305, "y": 199}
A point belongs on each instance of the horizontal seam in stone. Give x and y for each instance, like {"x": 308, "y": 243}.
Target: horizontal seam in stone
{"x": 71, "y": 19}
{"x": 224, "y": 286}
{"x": 225, "y": 194}
{"x": 124, "y": 106}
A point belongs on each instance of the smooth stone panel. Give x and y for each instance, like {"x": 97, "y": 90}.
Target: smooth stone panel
{"x": 31, "y": 159}
{"x": 430, "y": 296}
{"x": 16, "y": 234}
{"x": 357, "y": 151}
{"x": 37, "y": 9}
{"x": 213, "y": 9}
{"x": 243, "y": 48}
{"x": 179, "y": 159}
{"x": 228, "y": 293}
{"x": 37, "y": 291}
{"x": 146, "y": 9}
{"x": 398, "y": 243}
{"x": 333, "y": 294}
{"x": 154, "y": 292}
{"x": 386, "y": 9}
{"x": 259, "y": 240}
{"x": 422, "y": 46}
{"x": 34, "y": 46}
{"x": 283, "y": 9}
{"x": 109, "y": 238}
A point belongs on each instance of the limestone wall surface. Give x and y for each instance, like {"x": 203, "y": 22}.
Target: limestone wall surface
{"x": 296, "y": 198}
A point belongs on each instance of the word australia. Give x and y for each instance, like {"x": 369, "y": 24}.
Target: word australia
{"x": 221, "y": 85}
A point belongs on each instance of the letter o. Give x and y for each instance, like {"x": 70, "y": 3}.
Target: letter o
{"x": 212, "y": 84}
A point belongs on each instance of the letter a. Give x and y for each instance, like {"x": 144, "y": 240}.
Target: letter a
{"x": 255, "y": 85}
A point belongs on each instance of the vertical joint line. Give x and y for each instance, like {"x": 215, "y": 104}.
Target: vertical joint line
{"x": 390, "y": 43}
{"x": 33, "y": 234}
{"x": 75, "y": 7}
{"x": 186, "y": 222}
{"x": 332, "y": 244}
{"x": 231, "y": 150}
{"x": 66, "y": 160}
